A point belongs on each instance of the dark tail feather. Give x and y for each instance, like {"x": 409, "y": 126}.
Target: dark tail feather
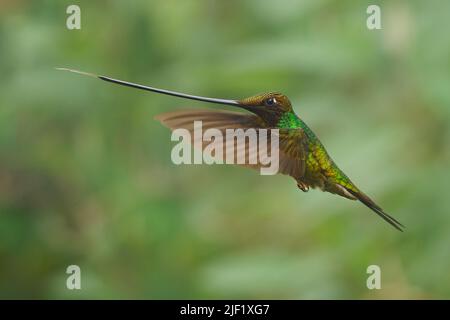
{"x": 372, "y": 205}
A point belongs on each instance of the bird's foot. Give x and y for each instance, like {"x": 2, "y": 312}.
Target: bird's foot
{"x": 303, "y": 186}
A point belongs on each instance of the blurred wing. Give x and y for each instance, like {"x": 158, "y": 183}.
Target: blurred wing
{"x": 219, "y": 119}
{"x": 292, "y": 151}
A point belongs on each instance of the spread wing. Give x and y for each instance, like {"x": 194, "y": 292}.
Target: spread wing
{"x": 292, "y": 142}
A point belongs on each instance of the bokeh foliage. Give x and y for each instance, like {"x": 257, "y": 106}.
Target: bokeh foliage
{"x": 86, "y": 176}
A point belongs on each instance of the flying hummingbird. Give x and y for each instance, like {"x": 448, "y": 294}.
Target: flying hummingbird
{"x": 301, "y": 154}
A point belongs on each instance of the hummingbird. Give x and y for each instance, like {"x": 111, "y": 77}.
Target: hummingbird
{"x": 301, "y": 154}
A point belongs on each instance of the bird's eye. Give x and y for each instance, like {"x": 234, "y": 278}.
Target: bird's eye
{"x": 270, "y": 101}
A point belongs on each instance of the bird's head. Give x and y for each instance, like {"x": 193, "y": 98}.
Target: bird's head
{"x": 269, "y": 106}
{"x": 267, "y": 101}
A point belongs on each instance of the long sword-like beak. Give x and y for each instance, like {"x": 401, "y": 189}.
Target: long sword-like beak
{"x": 152, "y": 89}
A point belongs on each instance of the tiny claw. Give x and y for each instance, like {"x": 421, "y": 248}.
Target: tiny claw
{"x": 302, "y": 186}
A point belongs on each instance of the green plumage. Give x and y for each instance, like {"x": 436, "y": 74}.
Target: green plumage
{"x": 320, "y": 170}
{"x": 302, "y": 155}
{"x": 318, "y": 159}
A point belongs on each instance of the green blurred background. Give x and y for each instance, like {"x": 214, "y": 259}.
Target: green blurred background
{"x": 86, "y": 176}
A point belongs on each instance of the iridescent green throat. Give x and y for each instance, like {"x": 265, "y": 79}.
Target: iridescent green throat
{"x": 289, "y": 120}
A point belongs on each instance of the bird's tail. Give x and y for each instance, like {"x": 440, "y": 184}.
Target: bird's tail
{"x": 375, "y": 208}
